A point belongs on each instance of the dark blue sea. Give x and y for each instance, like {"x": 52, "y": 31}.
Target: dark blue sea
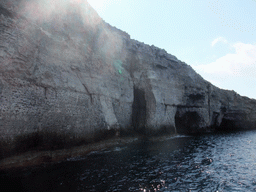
{"x": 214, "y": 162}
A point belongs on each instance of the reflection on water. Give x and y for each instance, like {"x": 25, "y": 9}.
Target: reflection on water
{"x": 220, "y": 162}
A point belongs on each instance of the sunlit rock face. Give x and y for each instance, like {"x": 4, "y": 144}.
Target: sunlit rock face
{"x": 66, "y": 71}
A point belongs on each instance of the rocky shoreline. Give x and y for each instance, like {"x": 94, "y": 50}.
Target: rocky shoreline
{"x": 37, "y": 158}
{"x": 34, "y": 158}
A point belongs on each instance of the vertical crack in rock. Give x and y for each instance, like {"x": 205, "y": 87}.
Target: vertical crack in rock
{"x": 165, "y": 108}
{"x": 88, "y": 93}
{"x": 45, "y": 92}
{"x": 85, "y": 87}
{"x": 139, "y": 110}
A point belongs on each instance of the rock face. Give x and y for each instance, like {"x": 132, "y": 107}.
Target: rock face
{"x": 67, "y": 73}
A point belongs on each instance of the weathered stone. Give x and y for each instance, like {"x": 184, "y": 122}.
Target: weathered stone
{"x": 64, "y": 70}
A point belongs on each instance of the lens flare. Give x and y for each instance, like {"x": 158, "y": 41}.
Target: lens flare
{"x": 74, "y": 30}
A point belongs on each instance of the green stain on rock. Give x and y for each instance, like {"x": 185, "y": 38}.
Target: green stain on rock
{"x": 118, "y": 65}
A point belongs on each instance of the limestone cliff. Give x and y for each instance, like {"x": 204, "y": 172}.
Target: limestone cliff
{"x": 65, "y": 71}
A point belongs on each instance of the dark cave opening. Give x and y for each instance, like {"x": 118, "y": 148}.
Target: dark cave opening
{"x": 139, "y": 111}
{"x": 228, "y": 125}
{"x": 187, "y": 123}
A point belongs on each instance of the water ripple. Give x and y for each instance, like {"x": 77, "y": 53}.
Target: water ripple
{"x": 220, "y": 162}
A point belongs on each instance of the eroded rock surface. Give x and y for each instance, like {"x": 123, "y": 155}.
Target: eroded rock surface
{"x": 65, "y": 72}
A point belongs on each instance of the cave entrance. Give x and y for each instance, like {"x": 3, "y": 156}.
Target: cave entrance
{"x": 228, "y": 125}
{"x": 187, "y": 123}
{"x": 139, "y": 111}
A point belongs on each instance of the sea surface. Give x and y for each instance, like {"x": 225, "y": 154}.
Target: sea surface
{"x": 214, "y": 162}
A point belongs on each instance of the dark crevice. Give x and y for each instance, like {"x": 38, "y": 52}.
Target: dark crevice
{"x": 45, "y": 92}
{"x": 139, "y": 111}
{"x": 215, "y": 117}
{"x": 161, "y": 66}
{"x": 165, "y": 108}
{"x": 88, "y": 93}
{"x": 85, "y": 87}
{"x": 6, "y": 13}
{"x": 196, "y": 97}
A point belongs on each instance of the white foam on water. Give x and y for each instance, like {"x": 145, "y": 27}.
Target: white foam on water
{"x": 79, "y": 158}
{"x": 176, "y": 136}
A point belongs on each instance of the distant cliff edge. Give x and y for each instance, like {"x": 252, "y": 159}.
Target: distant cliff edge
{"x": 68, "y": 77}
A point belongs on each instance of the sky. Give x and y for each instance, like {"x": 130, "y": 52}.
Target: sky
{"x": 216, "y": 37}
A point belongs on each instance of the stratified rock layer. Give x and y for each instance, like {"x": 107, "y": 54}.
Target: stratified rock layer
{"x": 67, "y": 73}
